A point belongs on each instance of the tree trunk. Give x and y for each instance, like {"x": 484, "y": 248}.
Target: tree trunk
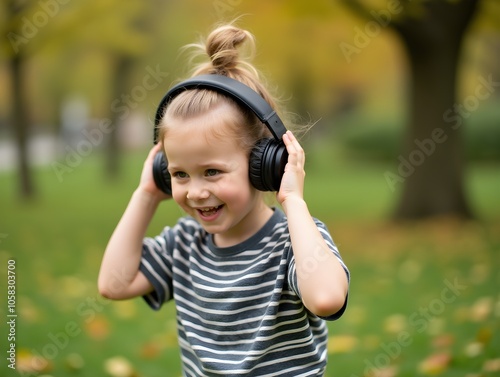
{"x": 20, "y": 124}
{"x": 433, "y": 150}
{"x": 434, "y": 156}
{"x": 121, "y": 76}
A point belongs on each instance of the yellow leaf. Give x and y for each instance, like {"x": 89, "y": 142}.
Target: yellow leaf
{"x": 98, "y": 328}
{"x": 74, "y": 362}
{"x": 484, "y": 335}
{"x": 125, "y": 309}
{"x": 395, "y": 323}
{"x": 492, "y": 365}
{"x": 481, "y": 309}
{"x": 341, "y": 343}
{"x": 443, "y": 341}
{"x": 473, "y": 349}
{"x": 28, "y": 362}
{"x": 150, "y": 350}
{"x": 435, "y": 364}
{"x": 72, "y": 287}
{"x": 119, "y": 366}
{"x": 391, "y": 371}
{"x": 28, "y": 310}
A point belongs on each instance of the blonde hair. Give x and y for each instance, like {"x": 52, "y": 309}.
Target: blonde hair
{"x": 222, "y": 46}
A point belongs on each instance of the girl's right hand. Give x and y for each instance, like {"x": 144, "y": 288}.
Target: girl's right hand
{"x": 147, "y": 183}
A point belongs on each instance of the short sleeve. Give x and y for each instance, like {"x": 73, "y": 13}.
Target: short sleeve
{"x": 156, "y": 265}
{"x": 292, "y": 275}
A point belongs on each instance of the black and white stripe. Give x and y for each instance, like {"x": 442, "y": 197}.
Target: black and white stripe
{"x": 239, "y": 310}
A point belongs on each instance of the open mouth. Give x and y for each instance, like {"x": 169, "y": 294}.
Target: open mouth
{"x": 209, "y": 213}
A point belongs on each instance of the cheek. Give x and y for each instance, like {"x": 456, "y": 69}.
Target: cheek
{"x": 237, "y": 194}
{"x": 178, "y": 194}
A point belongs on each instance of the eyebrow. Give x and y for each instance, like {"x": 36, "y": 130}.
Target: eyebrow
{"x": 207, "y": 165}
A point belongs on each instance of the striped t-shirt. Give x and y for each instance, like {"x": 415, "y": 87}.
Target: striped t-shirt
{"x": 239, "y": 311}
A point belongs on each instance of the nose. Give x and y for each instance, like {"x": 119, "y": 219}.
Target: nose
{"x": 197, "y": 190}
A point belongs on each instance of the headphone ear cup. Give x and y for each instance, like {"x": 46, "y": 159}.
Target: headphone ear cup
{"x": 267, "y": 164}
{"x": 161, "y": 175}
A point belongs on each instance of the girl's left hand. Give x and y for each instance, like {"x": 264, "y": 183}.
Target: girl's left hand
{"x": 292, "y": 183}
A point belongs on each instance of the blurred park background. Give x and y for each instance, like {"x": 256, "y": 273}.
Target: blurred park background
{"x": 403, "y": 165}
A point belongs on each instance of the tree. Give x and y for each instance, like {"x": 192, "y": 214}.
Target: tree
{"x": 432, "y": 164}
{"x": 124, "y": 33}
{"x": 119, "y": 29}
{"x": 19, "y": 116}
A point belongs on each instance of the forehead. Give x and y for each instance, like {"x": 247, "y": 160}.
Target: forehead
{"x": 222, "y": 119}
{"x": 207, "y": 136}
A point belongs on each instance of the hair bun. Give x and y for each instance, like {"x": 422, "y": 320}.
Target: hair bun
{"x": 222, "y": 47}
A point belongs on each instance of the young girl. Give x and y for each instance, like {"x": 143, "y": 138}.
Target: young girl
{"x": 252, "y": 284}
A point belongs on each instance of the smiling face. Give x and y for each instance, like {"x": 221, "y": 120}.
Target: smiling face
{"x": 209, "y": 170}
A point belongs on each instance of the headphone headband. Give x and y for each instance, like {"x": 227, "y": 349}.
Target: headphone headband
{"x": 235, "y": 89}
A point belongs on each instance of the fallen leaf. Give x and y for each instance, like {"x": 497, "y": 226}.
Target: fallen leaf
{"x": 119, "y": 366}
{"x": 443, "y": 341}
{"x": 125, "y": 309}
{"x": 72, "y": 287}
{"x": 484, "y": 335}
{"x": 481, "y": 309}
{"x": 391, "y": 371}
{"x": 473, "y": 349}
{"x": 341, "y": 343}
{"x": 28, "y": 362}
{"x": 435, "y": 364}
{"x": 74, "y": 362}
{"x": 98, "y": 328}
{"x": 395, "y": 323}
{"x": 492, "y": 365}
{"x": 28, "y": 310}
{"x": 150, "y": 350}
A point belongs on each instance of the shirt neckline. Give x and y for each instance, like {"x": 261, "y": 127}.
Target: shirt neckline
{"x": 249, "y": 243}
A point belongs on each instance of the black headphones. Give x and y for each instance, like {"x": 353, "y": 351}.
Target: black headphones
{"x": 268, "y": 156}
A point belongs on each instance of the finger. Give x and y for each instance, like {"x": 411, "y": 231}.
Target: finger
{"x": 153, "y": 151}
{"x": 291, "y": 142}
{"x": 290, "y": 148}
{"x": 294, "y": 149}
{"x": 158, "y": 147}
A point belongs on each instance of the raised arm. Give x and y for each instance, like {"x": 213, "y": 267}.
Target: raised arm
{"x": 321, "y": 278}
{"x": 119, "y": 276}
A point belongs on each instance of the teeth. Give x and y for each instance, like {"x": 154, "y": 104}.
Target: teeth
{"x": 208, "y": 209}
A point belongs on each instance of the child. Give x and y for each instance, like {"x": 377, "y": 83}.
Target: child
{"x": 252, "y": 284}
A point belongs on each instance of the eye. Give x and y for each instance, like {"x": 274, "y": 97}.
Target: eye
{"x": 211, "y": 172}
{"x": 180, "y": 175}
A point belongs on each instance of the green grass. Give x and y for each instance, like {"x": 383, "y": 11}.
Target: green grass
{"x": 397, "y": 315}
